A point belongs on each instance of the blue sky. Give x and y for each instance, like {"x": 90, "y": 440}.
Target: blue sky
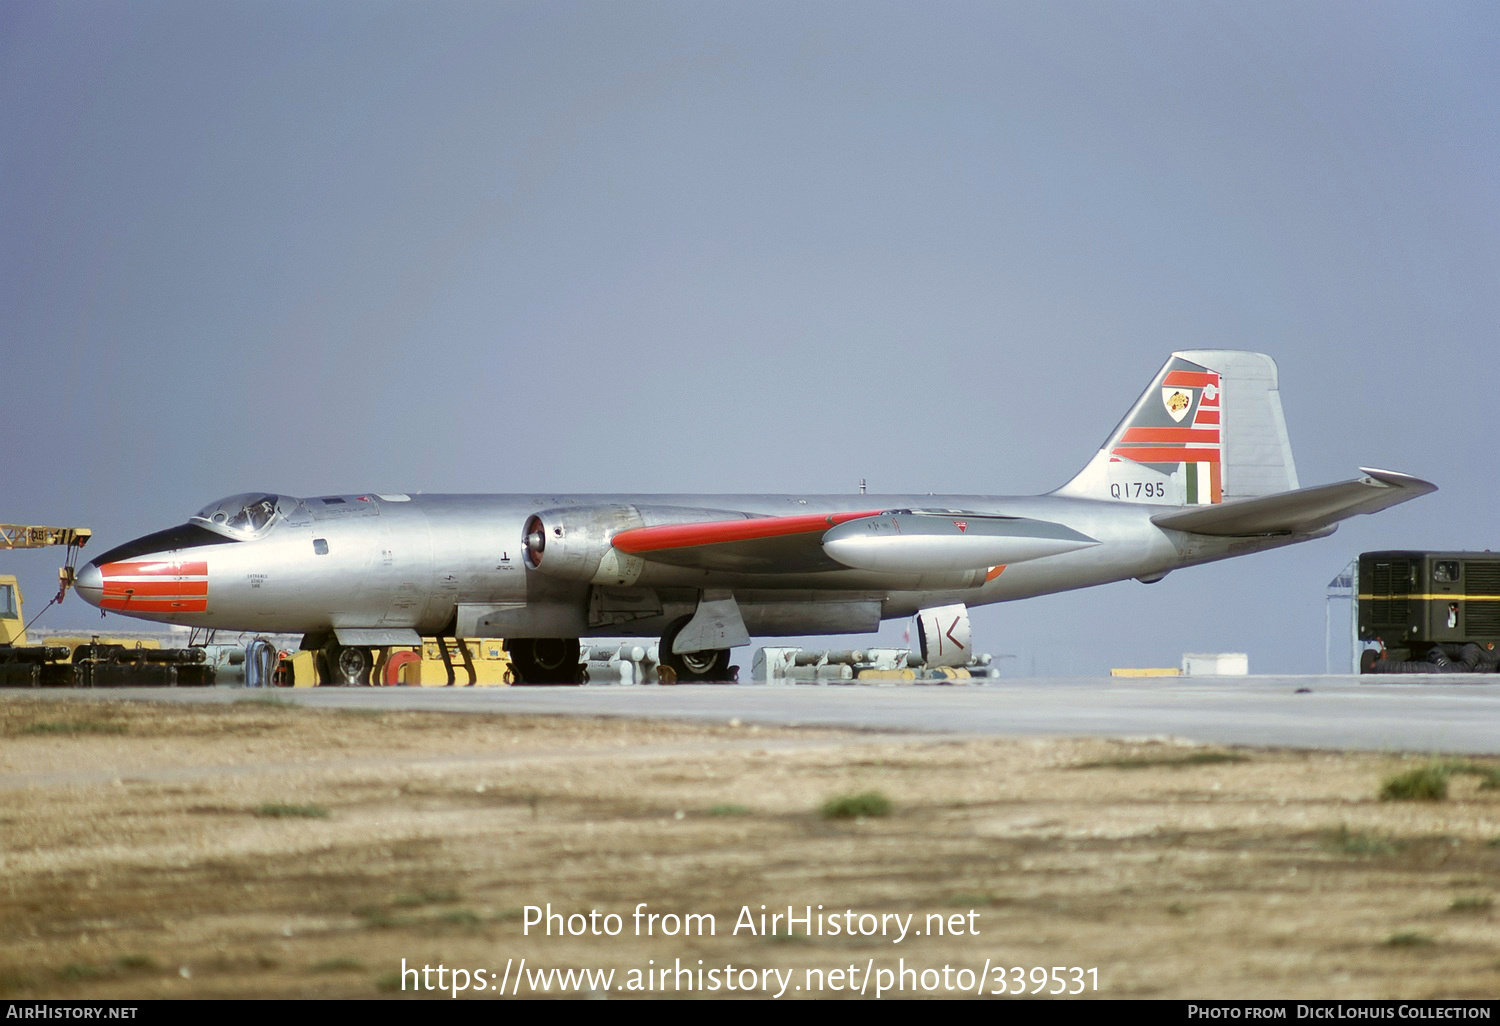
{"x": 747, "y": 246}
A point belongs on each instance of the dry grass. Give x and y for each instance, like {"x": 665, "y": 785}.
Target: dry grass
{"x": 129, "y": 867}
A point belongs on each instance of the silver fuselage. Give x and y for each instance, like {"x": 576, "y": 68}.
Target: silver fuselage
{"x": 438, "y": 564}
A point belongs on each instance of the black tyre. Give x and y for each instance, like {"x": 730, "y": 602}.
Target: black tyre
{"x": 712, "y": 664}
{"x": 545, "y": 660}
{"x": 346, "y": 666}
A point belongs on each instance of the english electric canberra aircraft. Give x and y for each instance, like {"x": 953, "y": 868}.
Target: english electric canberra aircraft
{"x": 1200, "y": 469}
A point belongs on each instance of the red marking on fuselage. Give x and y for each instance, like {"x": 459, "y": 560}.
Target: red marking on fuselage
{"x": 685, "y": 536}
{"x": 175, "y": 589}
{"x": 164, "y": 586}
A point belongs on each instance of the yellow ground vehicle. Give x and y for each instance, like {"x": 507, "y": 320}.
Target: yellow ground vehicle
{"x": 440, "y": 662}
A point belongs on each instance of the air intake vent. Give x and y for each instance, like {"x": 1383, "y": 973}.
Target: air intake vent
{"x": 1482, "y": 610}
{"x": 1482, "y": 578}
{"x": 1390, "y": 585}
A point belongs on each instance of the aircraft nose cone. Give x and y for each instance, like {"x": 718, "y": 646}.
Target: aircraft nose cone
{"x": 90, "y": 584}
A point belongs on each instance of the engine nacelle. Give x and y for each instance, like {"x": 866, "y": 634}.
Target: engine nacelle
{"x": 574, "y": 542}
{"x": 944, "y": 635}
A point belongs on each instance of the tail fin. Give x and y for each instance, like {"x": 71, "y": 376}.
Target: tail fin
{"x": 1209, "y": 429}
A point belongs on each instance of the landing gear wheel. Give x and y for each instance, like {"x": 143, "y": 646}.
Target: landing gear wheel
{"x": 346, "y": 666}
{"x": 546, "y": 660}
{"x": 688, "y": 667}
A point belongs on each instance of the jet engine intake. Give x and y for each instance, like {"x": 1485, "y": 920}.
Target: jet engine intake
{"x": 574, "y": 543}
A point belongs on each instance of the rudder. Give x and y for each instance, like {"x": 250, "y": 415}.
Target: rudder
{"x": 1208, "y": 429}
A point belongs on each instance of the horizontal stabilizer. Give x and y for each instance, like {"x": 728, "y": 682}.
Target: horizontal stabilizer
{"x": 1302, "y": 511}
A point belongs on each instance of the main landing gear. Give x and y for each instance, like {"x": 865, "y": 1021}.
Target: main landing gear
{"x": 546, "y": 660}
{"x": 693, "y": 667}
{"x": 344, "y": 665}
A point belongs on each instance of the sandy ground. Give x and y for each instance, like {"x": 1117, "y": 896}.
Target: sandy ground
{"x": 264, "y": 850}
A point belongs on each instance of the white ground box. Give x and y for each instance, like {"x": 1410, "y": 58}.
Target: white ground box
{"x": 1215, "y": 664}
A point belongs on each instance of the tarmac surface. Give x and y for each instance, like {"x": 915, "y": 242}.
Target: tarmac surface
{"x": 1423, "y": 714}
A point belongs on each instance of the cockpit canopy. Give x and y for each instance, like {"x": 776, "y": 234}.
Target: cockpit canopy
{"x": 244, "y": 516}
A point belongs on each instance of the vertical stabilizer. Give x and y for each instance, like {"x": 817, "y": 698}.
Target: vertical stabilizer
{"x": 1208, "y": 429}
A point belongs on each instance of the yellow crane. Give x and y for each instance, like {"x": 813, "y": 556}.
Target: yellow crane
{"x": 17, "y": 536}
{"x": 14, "y": 536}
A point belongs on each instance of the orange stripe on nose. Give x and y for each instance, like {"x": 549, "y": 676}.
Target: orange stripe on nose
{"x": 161, "y": 586}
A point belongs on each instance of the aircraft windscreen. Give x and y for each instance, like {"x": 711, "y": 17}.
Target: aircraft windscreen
{"x": 240, "y": 516}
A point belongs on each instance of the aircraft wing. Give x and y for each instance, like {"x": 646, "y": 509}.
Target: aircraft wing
{"x": 1302, "y": 511}
{"x": 893, "y": 541}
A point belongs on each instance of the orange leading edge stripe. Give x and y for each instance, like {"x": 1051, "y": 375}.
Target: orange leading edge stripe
{"x": 685, "y": 536}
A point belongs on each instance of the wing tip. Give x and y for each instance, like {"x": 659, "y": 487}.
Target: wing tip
{"x": 1395, "y": 479}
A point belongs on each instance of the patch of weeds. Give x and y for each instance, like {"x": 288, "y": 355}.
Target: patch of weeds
{"x": 13, "y": 982}
{"x": 729, "y": 809}
{"x": 73, "y": 727}
{"x": 459, "y": 917}
{"x": 280, "y": 810}
{"x": 265, "y": 702}
{"x": 1472, "y": 903}
{"x": 1177, "y": 908}
{"x": 338, "y": 965}
{"x": 1423, "y": 784}
{"x": 1166, "y": 761}
{"x": 137, "y": 963}
{"x": 854, "y": 806}
{"x": 1430, "y": 783}
{"x": 389, "y": 983}
{"x": 1355, "y": 843}
{"x": 83, "y": 971}
{"x": 792, "y": 937}
{"x": 1489, "y": 776}
{"x": 378, "y": 918}
{"x": 1409, "y": 939}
